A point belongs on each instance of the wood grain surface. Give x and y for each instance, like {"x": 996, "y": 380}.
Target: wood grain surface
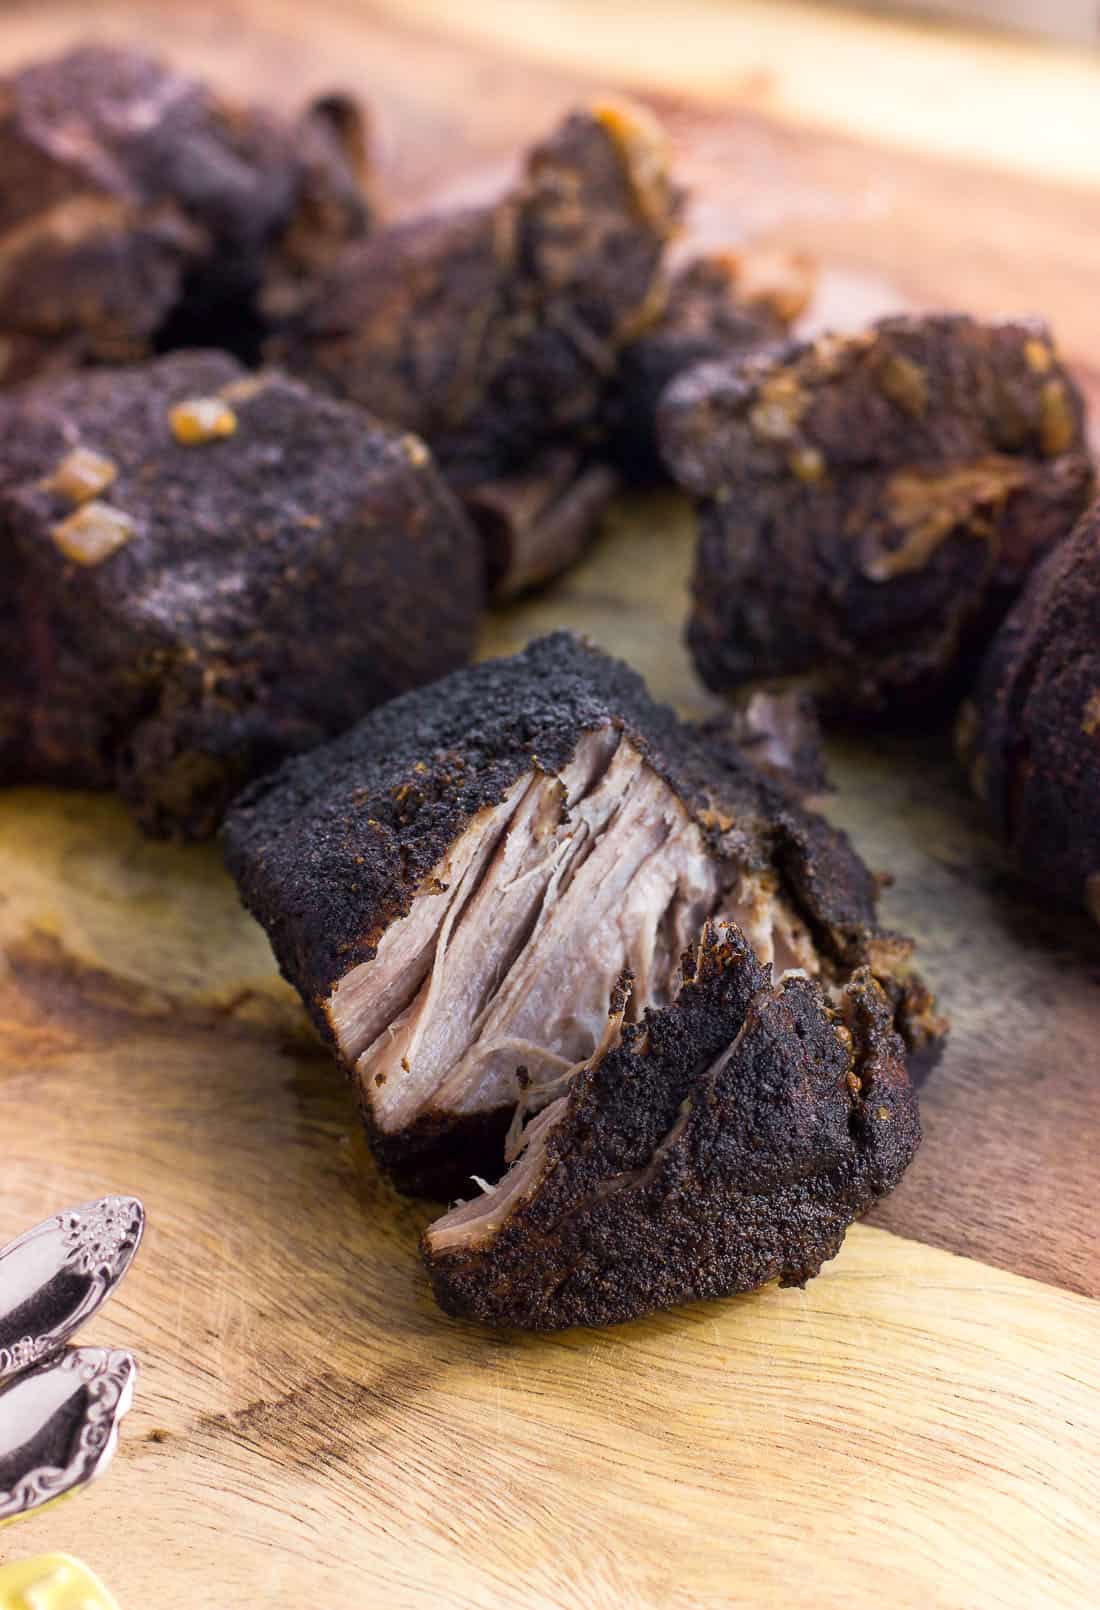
{"x": 946, "y": 92}
{"x": 917, "y": 1428}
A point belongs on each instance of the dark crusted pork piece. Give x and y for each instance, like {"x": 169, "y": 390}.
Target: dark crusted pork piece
{"x": 456, "y": 886}
{"x": 206, "y": 571}
{"x": 1030, "y": 737}
{"x": 492, "y": 331}
{"x": 727, "y": 1140}
{"x": 870, "y": 505}
{"x": 721, "y": 305}
{"x": 139, "y": 210}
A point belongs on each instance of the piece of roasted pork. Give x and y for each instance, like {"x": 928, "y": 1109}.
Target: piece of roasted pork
{"x": 207, "y": 570}
{"x": 870, "y": 505}
{"x": 457, "y": 885}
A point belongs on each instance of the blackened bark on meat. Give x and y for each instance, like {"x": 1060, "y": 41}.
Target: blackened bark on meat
{"x": 1030, "y": 738}
{"x": 535, "y": 525}
{"x": 726, "y": 1142}
{"x": 716, "y": 307}
{"x": 870, "y": 505}
{"x": 493, "y": 332}
{"x": 334, "y": 851}
{"x": 209, "y": 571}
{"x": 140, "y": 211}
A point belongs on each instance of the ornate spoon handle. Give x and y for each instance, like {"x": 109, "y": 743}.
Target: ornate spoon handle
{"x": 54, "y": 1277}
{"x": 59, "y": 1426}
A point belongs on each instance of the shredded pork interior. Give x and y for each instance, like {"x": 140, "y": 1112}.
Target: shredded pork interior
{"x": 509, "y": 955}
{"x": 479, "y": 1220}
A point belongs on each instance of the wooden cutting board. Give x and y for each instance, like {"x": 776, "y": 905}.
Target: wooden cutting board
{"x": 921, "y": 1426}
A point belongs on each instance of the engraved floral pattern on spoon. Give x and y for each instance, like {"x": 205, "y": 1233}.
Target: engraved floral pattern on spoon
{"x": 68, "y": 1410}
{"x": 55, "y": 1276}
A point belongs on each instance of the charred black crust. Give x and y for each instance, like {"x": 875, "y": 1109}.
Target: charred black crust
{"x": 675, "y": 1175}
{"x": 437, "y": 1156}
{"x": 822, "y": 471}
{"x": 334, "y": 847}
{"x": 141, "y": 211}
{"x": 1031, "y": 739}
{"x": 278, "y": 583}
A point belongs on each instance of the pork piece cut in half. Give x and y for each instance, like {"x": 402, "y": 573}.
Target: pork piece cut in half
{"x": 207, "y": 570}
{"x": 725, "y": 1141}
{"x": 457, "y": 885}
{"x": 869, "y": 505}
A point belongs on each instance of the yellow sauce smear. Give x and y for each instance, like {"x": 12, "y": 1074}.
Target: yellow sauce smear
{"x": 52, "y": 1582}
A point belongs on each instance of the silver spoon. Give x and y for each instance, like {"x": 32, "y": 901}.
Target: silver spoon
{"x": 54, "y": 1277}
{"x": 59, "y": 1426}
{"x": 60, "y": 1407}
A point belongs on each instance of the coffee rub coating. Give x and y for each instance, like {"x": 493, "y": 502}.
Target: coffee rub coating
{"x": 212, "y": 570}
{"x": 333, "y": 849}
{"x": 870, "y": 505}
{"x": 141, "y": 211}
{"x": 1030, "y": 737}
{"x": 492, "y": 332}
{"x": 717, "y": 306}
{"x": 727, "y": 1141}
